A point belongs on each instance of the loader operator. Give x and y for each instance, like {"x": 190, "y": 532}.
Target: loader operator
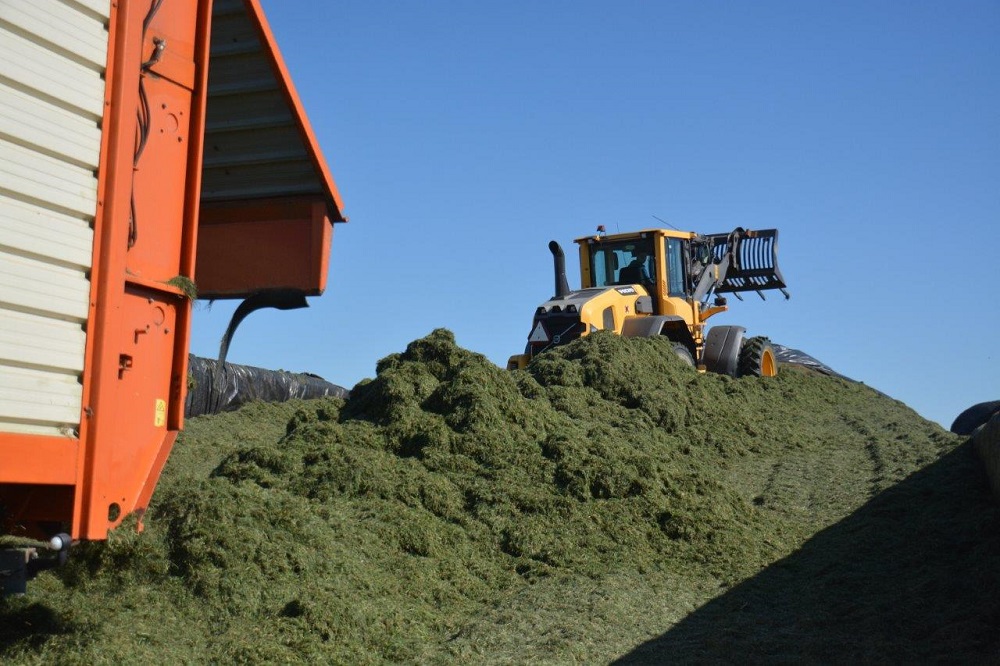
{"x": 639, "y": 270}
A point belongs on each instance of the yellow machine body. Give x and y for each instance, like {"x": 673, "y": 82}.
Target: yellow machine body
{"x": 663, "y": 282}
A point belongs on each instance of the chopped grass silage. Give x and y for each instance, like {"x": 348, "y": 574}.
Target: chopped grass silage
{"x": 605, "y": 502}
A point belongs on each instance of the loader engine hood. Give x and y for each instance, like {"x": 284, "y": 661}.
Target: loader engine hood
{"x": 558, "y": 320}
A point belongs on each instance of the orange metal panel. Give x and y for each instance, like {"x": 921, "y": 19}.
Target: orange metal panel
{"x": 321, "y": 239}
{"x": 153, "y": 474}
{"x": 245, "y": 247}
{"x": 38, "y": 459}
{"x": 175, "y": 31}
{"x": 138, "y": 332}
{"x": 134, "y": 441}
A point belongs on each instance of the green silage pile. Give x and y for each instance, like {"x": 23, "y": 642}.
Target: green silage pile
{"x": 608, "y": 502}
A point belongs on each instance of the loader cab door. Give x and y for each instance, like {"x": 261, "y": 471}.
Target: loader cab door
{"x": 676, "y": 282}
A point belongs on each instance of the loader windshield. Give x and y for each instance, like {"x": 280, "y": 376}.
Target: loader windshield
{"x": 622, "y": 262}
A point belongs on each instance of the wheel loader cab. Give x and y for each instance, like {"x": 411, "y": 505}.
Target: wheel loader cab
{"x": 655, "y": 259}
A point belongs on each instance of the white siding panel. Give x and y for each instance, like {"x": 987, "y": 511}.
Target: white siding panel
{"x": 42, "y": 288}
{"x": 28, "y": 229}
{"x": 40, "y": 178}
{"x": 47, "y": 344}
{"x": 34, "y": 67}
{"x": 35, "y": 123}
{"x": 39, "y": 398}
{"x": 52, "y": 59}
{"x": 99, "y": 8}
{"x": 62, "y": 27}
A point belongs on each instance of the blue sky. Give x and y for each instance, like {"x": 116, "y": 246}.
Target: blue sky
{"x": 465, "y": 135}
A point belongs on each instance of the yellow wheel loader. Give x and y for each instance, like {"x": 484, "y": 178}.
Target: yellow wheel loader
{"x": 664, "y": 282}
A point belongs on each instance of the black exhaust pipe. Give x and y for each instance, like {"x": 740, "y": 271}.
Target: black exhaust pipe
{"x": 559, "y": 259}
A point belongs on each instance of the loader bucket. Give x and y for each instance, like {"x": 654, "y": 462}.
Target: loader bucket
{"x": 754, "y": 262}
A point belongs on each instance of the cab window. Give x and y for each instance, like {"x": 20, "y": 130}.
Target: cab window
{"x": 622, "y": 262}
{"x": 675, "y": 267}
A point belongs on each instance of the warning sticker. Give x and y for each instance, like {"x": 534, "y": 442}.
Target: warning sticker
{"x": 160, "y": 414}
{"x": 539, "y": 334}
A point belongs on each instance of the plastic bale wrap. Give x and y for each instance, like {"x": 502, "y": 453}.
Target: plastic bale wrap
{"x": 212, "y": 390}
{"x": 987, "y": 443}
{"x": 968, "y": 421}
{"x": 785, "y": 354}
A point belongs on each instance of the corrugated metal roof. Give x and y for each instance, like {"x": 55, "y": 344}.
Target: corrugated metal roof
{"x": 258, "y": 142}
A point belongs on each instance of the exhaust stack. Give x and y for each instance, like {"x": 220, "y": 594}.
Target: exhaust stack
{"x": 559, "y": 261}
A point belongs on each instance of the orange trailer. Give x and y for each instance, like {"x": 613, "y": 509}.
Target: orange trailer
{"x": 145, "y": 146}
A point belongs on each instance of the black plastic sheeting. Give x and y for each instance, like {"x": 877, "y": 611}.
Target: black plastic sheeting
{"x": 211, "y": 391}
{"x": 969, "y": 421}
{"x": 965, "y": 424}
{"x": 785, "y": 354}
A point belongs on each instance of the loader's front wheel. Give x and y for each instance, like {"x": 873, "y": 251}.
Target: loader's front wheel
{"x": 684, "y": 354}
{"x": 757, "y": 359}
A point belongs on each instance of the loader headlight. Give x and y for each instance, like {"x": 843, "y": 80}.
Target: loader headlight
{"x": 570, "y": 308}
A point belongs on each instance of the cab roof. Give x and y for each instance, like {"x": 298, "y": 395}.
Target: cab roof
{"x": 631, "y": 235}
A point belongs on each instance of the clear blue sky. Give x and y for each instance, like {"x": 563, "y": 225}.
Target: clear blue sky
{"x": 465, "y": 135}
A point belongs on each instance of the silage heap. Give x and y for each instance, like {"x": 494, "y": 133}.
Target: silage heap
{"x": 452, "y": 511}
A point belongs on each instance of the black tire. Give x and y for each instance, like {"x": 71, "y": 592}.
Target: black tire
{"x": 757, "y": 358}
{"x": 684, "y": 354}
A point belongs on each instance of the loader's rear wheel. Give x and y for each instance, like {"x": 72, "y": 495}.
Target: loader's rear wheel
{"x": 684, "y": 354}
{"x": 757, "y": 359}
